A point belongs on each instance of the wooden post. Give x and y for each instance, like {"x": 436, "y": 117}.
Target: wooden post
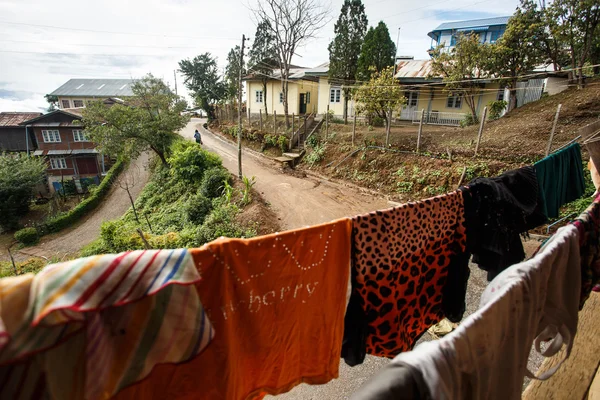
{"x": 260, "y": 119}
{"x": 481, "y": 124}
{"x": 553, "y": 129}
{"x": 462, "y": 176}
{"x": 353, "y": 129}
{"x": 327, "y": 123}
{"x": 420, "y": 130}
{"x": 274, "y": 122}
{"x": 387, "y": 128}
{"x": 12, "y": 261}
{"x": 293, "y": 131}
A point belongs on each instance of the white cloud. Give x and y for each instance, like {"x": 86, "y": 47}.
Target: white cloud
{"x": 168, "y": 31}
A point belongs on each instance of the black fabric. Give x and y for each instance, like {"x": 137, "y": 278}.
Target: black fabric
{"x": 497, "y": 210}
{"x": 395, "y": 381}
{"x": 455, "y": 289}
{"x": 354, "y": 345}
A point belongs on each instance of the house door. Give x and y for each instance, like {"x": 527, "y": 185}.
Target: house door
{"x": 410, "y": 107}
{"x": 302, "y": 103}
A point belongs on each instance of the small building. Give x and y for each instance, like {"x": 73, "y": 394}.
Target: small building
{"x": 69, "y": 153}
{"x": 76, "y": 93}
{"x": 331, "y": 93}
{"x": 488, "y": 29}
{"x": 15, "y": 137}
{"x": 302, "y": 92}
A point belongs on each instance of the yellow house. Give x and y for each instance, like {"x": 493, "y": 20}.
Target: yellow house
{"x": 302, "y": 93}
{"x": 331, "y": 93}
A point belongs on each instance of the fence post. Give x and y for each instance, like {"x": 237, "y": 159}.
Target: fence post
{"x": 353, "y": 129}
{"x": 274, "y": 122}
{"x": 387, "y": 128}
{"x": 481, "y": 124}
{"x": 420, "y": 130}
{"x": 553, "y": 129}
{"x": 293, "y": 130}
{"x": 327, "y": 122}
{"x": 260, "y": 118}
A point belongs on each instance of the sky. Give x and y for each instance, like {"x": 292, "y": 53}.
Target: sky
{"x": 43, "y": 44}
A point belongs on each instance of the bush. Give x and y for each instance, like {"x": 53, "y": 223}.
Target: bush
{"x": 496, "y": 108}
{"x": 213, "y": 182}
{"x": 27, "y": 236}
{"x": 271, "y": 140}
{"x": 197, "y": 209}
{"x": 468, "y": 120}
{"x": 189, "y": 162}
{"x": 316, "y": 155}
{"x": 221, "y": 222}
{"x": 63, "y": 220}
{"x": 282, "y": 142}
{"x": 377, "y": 121}
{"x": 312, "y": 141}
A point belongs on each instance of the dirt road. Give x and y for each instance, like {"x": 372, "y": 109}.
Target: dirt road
{"x": 298, "y": 202}
{"x": 114, "y": 205}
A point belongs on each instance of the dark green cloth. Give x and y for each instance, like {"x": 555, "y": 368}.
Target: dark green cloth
{"x": 560, "y": 178}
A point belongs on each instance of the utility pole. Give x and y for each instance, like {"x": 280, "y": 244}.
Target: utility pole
{"x": 240, "y": 109}
{"x": 175, "y": 76}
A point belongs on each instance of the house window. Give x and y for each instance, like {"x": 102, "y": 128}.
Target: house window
{"x": 281, "y": 97}
{"x": 411, "y": 98}
{"x": 495, "y": 35}
{"x": 454, "y": 101}
{"x": 51, "y": 136}
{"x": 58, "y": 163}
{"x": 307, "y": 97}
{"x": 453, "y": 40}
{"x": 500, "y": 95}
{"x": 259, "y": 96}
{"x": 79, "y": 136}
{"x": 335, "y": 95}
{"x": 77, "y": 103}
{"x": 66, "y": 104}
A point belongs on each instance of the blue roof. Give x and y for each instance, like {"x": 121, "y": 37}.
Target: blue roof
{"x": 473, "y": 23}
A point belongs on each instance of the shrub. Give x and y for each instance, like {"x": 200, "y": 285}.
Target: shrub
{"x": 221, "y": 222}
{"x": 496, "y": 108}
{"x": 271, "y": 140}
{"x": 213, "y": 182}
{"x": 377, "y": 121}
{"x": 189, "y": 162}
{"x": 468, "y": 120}
{"x": 27, "y": 236}
{"x": 197, "y": 209}
{"x": 282, "y": 142}
{"x": 63, "y": 220}
{"x": 312, "y": 141}
{"x": 316, "y": 155}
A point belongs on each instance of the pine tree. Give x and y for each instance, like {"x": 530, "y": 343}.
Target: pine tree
{"x": 350, "y": 30}
{"x": 377, "y": 51}
{"x": 232, "y": 73}
{"x": 263, "y": 55}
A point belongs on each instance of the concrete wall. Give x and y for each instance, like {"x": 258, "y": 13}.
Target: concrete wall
{"x": 325, "y": 100}
{"x": 439, "y": 102}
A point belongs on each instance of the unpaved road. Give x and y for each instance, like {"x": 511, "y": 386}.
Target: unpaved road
{"x": 298, "y": 202}
{"x": 87, "y": 230}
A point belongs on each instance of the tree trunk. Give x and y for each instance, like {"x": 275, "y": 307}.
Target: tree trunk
{"x": 132, "y": 204}
{"x": 284, "y": 89}
{"x": 161, "y": 155}
{"x": 346, "y": 92}
{"x": 512, "y": 97}
{"x": 264, "y": 97}
{"x": 470, "y": 100}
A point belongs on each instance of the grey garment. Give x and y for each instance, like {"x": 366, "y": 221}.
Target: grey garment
{"x": 396, "y": 381}
{"x": 530, "y": 302}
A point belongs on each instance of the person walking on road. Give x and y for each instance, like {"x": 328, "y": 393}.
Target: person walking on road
{"x": 198, "y": 137}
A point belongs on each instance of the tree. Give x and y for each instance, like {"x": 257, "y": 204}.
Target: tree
{"x": 350, "y": 30}
{"x": 232, "y": 72}
{"x": 52, "y": 102}
{"x": 150, "y": 119}
{"x": 377, "y": 51}
{"x": 574, "y": 23}
{"x": 517, "y": 52}
{"x": 263, "y": 55}
{"x": 462, "y": 67}
{"x": 292, "y": 23}
{"x": 203, "y": 80}
{"x": 380, "y": 96}
{"x": 19, "y": 176}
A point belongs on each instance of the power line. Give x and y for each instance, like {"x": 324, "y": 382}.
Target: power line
{"x": 114, "y": 32}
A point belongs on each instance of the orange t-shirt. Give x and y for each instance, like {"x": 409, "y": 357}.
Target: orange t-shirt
{"x": 277, "y": 306}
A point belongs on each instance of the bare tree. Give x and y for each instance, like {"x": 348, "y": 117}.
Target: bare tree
{"x": 292, "y": 23}
{"x": 127, "y": 181}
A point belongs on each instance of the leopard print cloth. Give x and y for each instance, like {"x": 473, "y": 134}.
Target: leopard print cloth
{"x": 401, "y": 258}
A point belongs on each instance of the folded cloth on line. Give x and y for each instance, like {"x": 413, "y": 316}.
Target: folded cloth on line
{"x": 410, "y": 269}
{"x": 85, "y": 329}
{"x": 486, "y": 356}
{"x": 277, "y": 304}
{"x": 560, "y": 176}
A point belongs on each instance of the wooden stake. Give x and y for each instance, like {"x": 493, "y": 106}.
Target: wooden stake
{"x": 462, "y": 177}
{"x": 260, "y": 119}
{"x": 420, "y": 130}
{"x": 481, "y": 124}
{"x": 146, "y": 244}
{"x": 327, "y": 123}
{"x": 449, "y": 154}
{"x": 553, "y": 129}
{"x": 353, "y": 129}
{"x": 387, "y": 128}
{"x": 274, "y": 122}
{"x": 12, "y": 260}
{"x": 293, "y": 131}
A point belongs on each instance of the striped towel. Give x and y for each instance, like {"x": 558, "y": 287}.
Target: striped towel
{"x": 93, "y": 326}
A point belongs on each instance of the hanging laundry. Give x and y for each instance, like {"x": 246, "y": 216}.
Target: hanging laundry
{"x": 588, "y": 225}
{"x": 497, "y": 211}
{"x": 403, "y": 261}
{"x": 88, "y": 328}
{"x": 531, "y": 302}
{"x": 277, "y": 304}
{"x": 395, "y": 381}
{"x": 560, "y": 177}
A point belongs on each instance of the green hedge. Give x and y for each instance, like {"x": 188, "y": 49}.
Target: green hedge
{"x": 27, "y": 236}
{"x": 70, "y": 217}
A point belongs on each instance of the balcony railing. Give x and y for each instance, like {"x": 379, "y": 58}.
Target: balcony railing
{"x": 438, "y": 118}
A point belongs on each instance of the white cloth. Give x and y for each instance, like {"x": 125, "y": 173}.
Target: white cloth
{"x": 486, "y": 356}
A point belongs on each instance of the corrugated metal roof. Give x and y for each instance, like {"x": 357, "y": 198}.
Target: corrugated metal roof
{"x": 473, "y": 23}
{"x": 16, "y": 118}
{"x": 322, "y": 69}
{"x": 413, "y": 69}
{"x": 95, "y": 87}
{"x": 84, "y": 151}
{"x": 58, "y": 152}
{"x": 38, "y": 153}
